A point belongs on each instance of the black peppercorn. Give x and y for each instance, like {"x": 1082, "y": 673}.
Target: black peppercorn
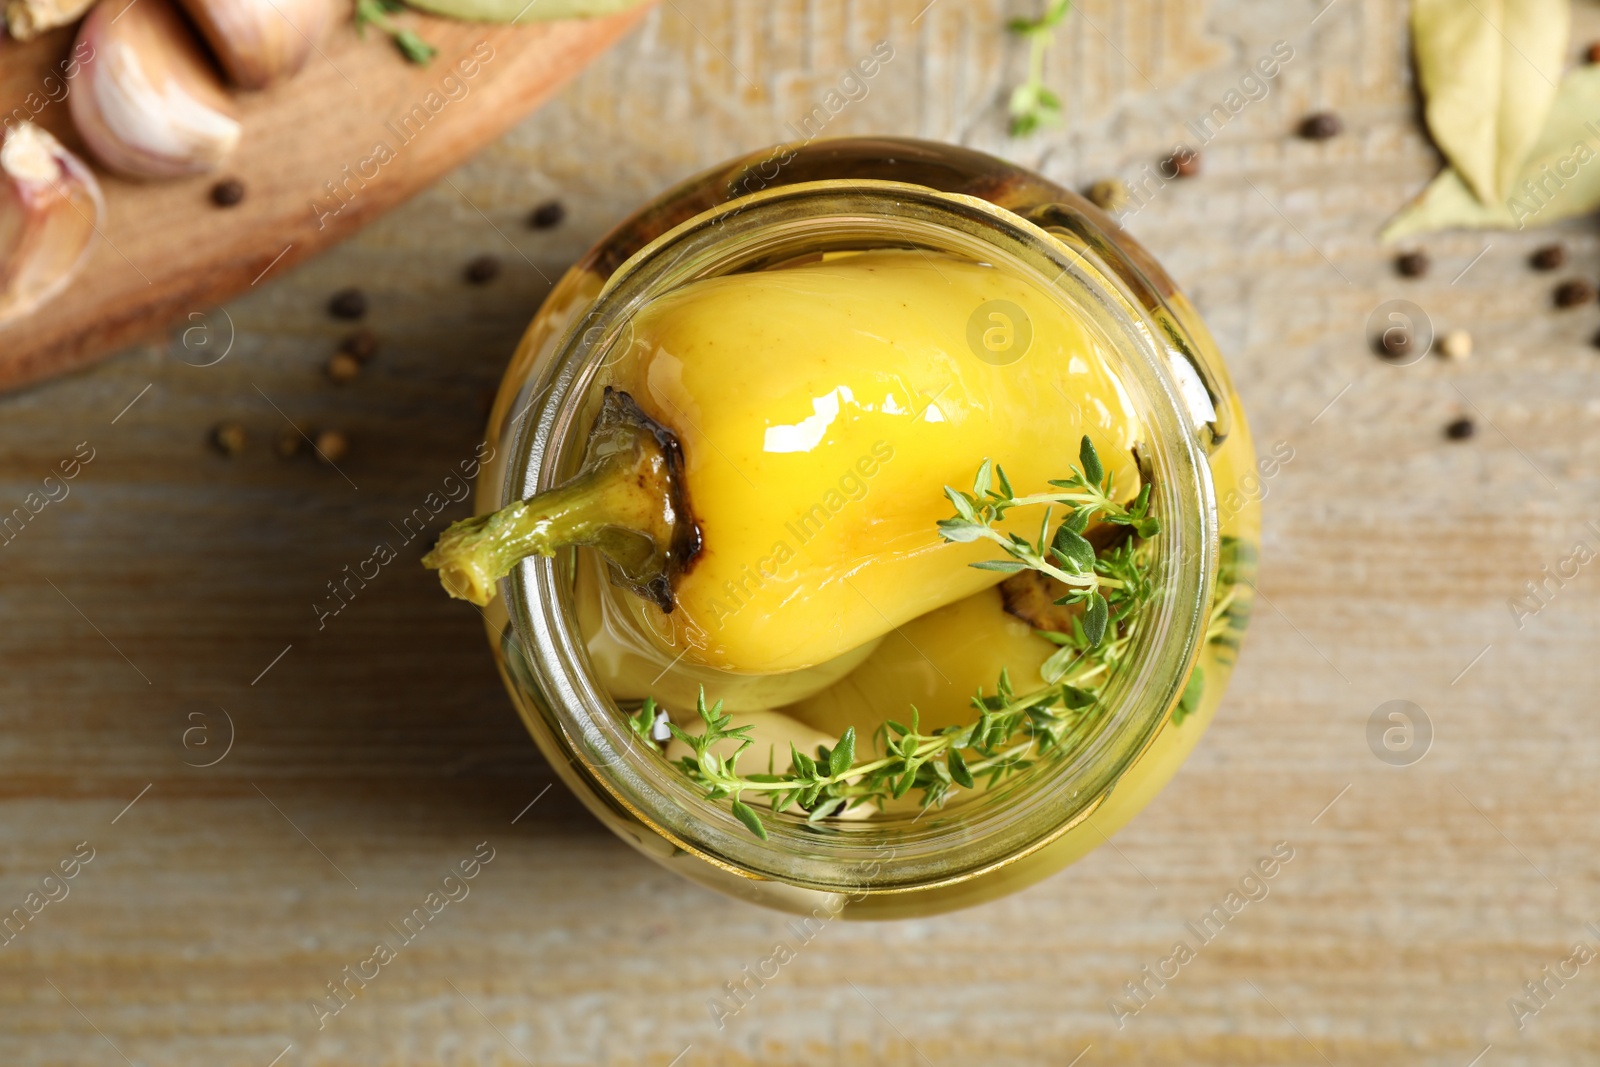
{"x": 1183, "y": 163}
{"x": 228, "y": 438}
{"x": 1460, "y": 429}
{"x": 1550, "y": 257}
{"x": 348, "y": 304}
{"x": 287, "y": 444}
{"x": 331, "y": 445}
{"x": 227, "y": 192}
{"x": 1321, "y": 126}
{"x": 363, "y": 345}
{"x": 1396, "y": 342}
{"x": 1571, "y": 294}
{"x": 547, "y": 216}
{"x": 482, "y": 270}
{"x": 1412, "y": 264}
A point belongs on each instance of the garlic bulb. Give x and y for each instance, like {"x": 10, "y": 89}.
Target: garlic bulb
{"x": 148, "y": 103}
{"x": 27, "y": 19}
{"x": 50, "y": 208}
{"x": 261, "y": 42}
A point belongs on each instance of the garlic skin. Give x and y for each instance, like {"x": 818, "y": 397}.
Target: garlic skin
{"x": 261, "y": 42}
{"x": 148, "y": 103}
{"x": 27, "y": 19}
{"x": 50, "y": 211}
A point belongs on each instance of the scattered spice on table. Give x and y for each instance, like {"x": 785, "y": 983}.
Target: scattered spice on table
{"x": 1460, "y": 429}
{"x": 1396, "y": 342}
{"x": 1322, "y": 126}
{"x": 362, "y": 345}
{"x": 229, "y": 438}
{"x": 227, "y": 192}
{"x": 342, "y": 368}
{"x": 1412, "y": 264}
{"x": 1183, "y": 163}
{"x": 1109, "y": 194}
{"x": 287, "y": 444}
{"x": 332, "y": 445}
{"x": 348, "y": 304}
{"x": 547, "y": 216}
{"x": 1455, "y": 344}
{"x": 1550, "y": 257}
{"x": 1573, "y": 293}
{"x": 482, "y": 270}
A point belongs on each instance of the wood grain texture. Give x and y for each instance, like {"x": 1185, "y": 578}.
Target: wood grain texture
{"x": 357, "y": 132}
{"x": 1415, "y": 906}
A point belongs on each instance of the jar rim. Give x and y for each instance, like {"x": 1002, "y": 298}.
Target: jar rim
{"x": 885, "y": 854}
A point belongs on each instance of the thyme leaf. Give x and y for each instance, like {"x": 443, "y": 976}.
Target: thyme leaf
{"x": 377, "y": 12}
{"x": 1032, "y": 105}
{"x": 1066, "y": 555}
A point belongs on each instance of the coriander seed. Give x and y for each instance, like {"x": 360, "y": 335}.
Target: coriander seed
{"x": 1109, "y": 194}
{"x": 1455, "y": 344}
{"x": 331, "y": 446}
{"x": 342, "y": 368}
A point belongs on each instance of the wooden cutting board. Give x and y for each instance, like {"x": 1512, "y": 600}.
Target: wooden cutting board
{"x": 354, "y": 134}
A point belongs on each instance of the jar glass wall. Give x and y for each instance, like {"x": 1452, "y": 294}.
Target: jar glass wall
{"x": 806, "y": 203}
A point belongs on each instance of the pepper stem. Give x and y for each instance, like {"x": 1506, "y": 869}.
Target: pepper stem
{"x": 627, "y": 500}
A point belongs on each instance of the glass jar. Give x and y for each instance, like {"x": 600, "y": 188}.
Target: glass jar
{"x": 796, "y": 202}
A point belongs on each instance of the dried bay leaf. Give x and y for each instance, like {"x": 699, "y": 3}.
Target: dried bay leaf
{"x": 1559, "y": 179}
{"x": 1488, "y": 71}
{"x": 1446, "y": 204}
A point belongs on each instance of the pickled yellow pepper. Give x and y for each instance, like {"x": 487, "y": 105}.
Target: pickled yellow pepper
{"x": 821, "y": 410}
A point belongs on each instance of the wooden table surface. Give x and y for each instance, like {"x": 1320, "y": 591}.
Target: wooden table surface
{"x": 170, "y": 594}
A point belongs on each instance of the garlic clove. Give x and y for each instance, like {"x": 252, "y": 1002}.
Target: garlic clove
{"x": 50, "y": 211}
{"x": 149, "y": 104}
{"x": 27, "y": 19}
{"x": 261, "y": 42}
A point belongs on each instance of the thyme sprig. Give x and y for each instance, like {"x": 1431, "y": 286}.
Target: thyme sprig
{"x": 1009, "y": 731}
{"x": 1128, "y": 566}
{"x": 1230, "y": 614}
{"x": 377, "y": 12}
{"x": 1067, "y": 555}
{"x": 1010, "y": 734}
{"x": 1032, "y": 105}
